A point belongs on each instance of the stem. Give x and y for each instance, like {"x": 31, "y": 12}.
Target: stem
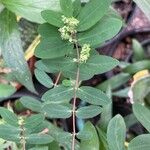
{"x": 57, "y": 79}
{"x": 74, "y": 100}
{"x": 23, "y": 141}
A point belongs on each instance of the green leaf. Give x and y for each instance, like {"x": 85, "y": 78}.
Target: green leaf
{"x": 54, "y": 146}
{"x": 130, "y": 120}
{"x": 39, "y": 139}
{"x": 114, "y": 82}
{"x": 6, "y": 90}
{"x": 51, "y": 45}
{"x": 104, "y": 30}
{"x": 140, "y": 142}
{"x": 144, "y": 6}
{"x": 88, "y": 111}
{"x": 9, "y": 116}
{"x": 116, "y": 131}
{"x": 136, "y": 67}
{"x": 43, "y": 78}
{"x": 12, "y": 52}
{"x": 33, "y": 121}
{"x": 10, "y": 133}
{"x": 58, "y": 94}
{"x": 138, "y": 51}
{"x": 122, "y": 93}
{"x": 93, "y": 142}
{"x": 31, "y": 10}
{"x": 140, "y": 89}
{"x": 91, "y": 13}
{"x": 106, "y": 114}
{"x": 102, "y": 139}
{"x": 57, "y": 111}
{"x": 77, "y": 7}
{"x": 31, "y": 103}
{"x": 142, "y": 114}
{"x": 67, "y": 7}
{"x": 93, "y": 96}
{"x": 52, "y": 17}
{"x": 96, "y": 64}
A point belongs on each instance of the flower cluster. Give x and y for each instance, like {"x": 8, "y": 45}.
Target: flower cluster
{"x": 69, "y": 29}
{"x": 85, "y": 53}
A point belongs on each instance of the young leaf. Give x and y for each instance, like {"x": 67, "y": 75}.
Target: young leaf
{"x": 142, "y": 114}
{"x": 31, "y": 10}
{"x": 93, "y": 142}
{"x": 6, "y": 90}
{"x": 67, "y": 7}
{"x": 43, "y": 78}
{"x": 91, "y": 13}
{"x": 31, "y": 103}
{"x": 10, "y": 133}
{"x": 12, "y": 52}
{"x": 116, "y": 131}
{"x": 51, "y": 45}
{"x": 88, "y": 111}
{"x": 52, "y": 17}
{"x": 33, "y": 121}
{"x": 104, "y": 30}
{"x": 39, "y": 139}
{"x": 9, "y": 116}
{"x": 140, "y": 142}
{"x": 57, "y": 111}
{"x": 58, "y": 95}
{"x": 93, "y": 96}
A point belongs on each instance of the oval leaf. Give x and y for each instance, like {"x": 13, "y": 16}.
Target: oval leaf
{"x": 116, "y": 131}
{"x": 93, "y": 142}
{"x": 142, "y": 114}
{"x": 104, "y": 30}
{"x": 140, "y": 142}
{"x": 52, "y": 17}
{"x": 57, "y": 111}
{"x": 93, "y": 96}
{"x": 67, "y": 7}
{"x": 43, "y": 78}
{"x": 58, "y": 95}
{"x": 10, "y": 133}
{"x": 88, "y": 111}
{"x": 31, "y": 103}
{"x": 6, "y": 90}
{"x": 39, "y": 139}
{"x": 9, "y": 116}
{"x": 91, "y": 13}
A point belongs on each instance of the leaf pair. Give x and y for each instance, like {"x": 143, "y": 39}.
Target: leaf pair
{"x": 96, "y": 64}
{"x": 12, "y": 131}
